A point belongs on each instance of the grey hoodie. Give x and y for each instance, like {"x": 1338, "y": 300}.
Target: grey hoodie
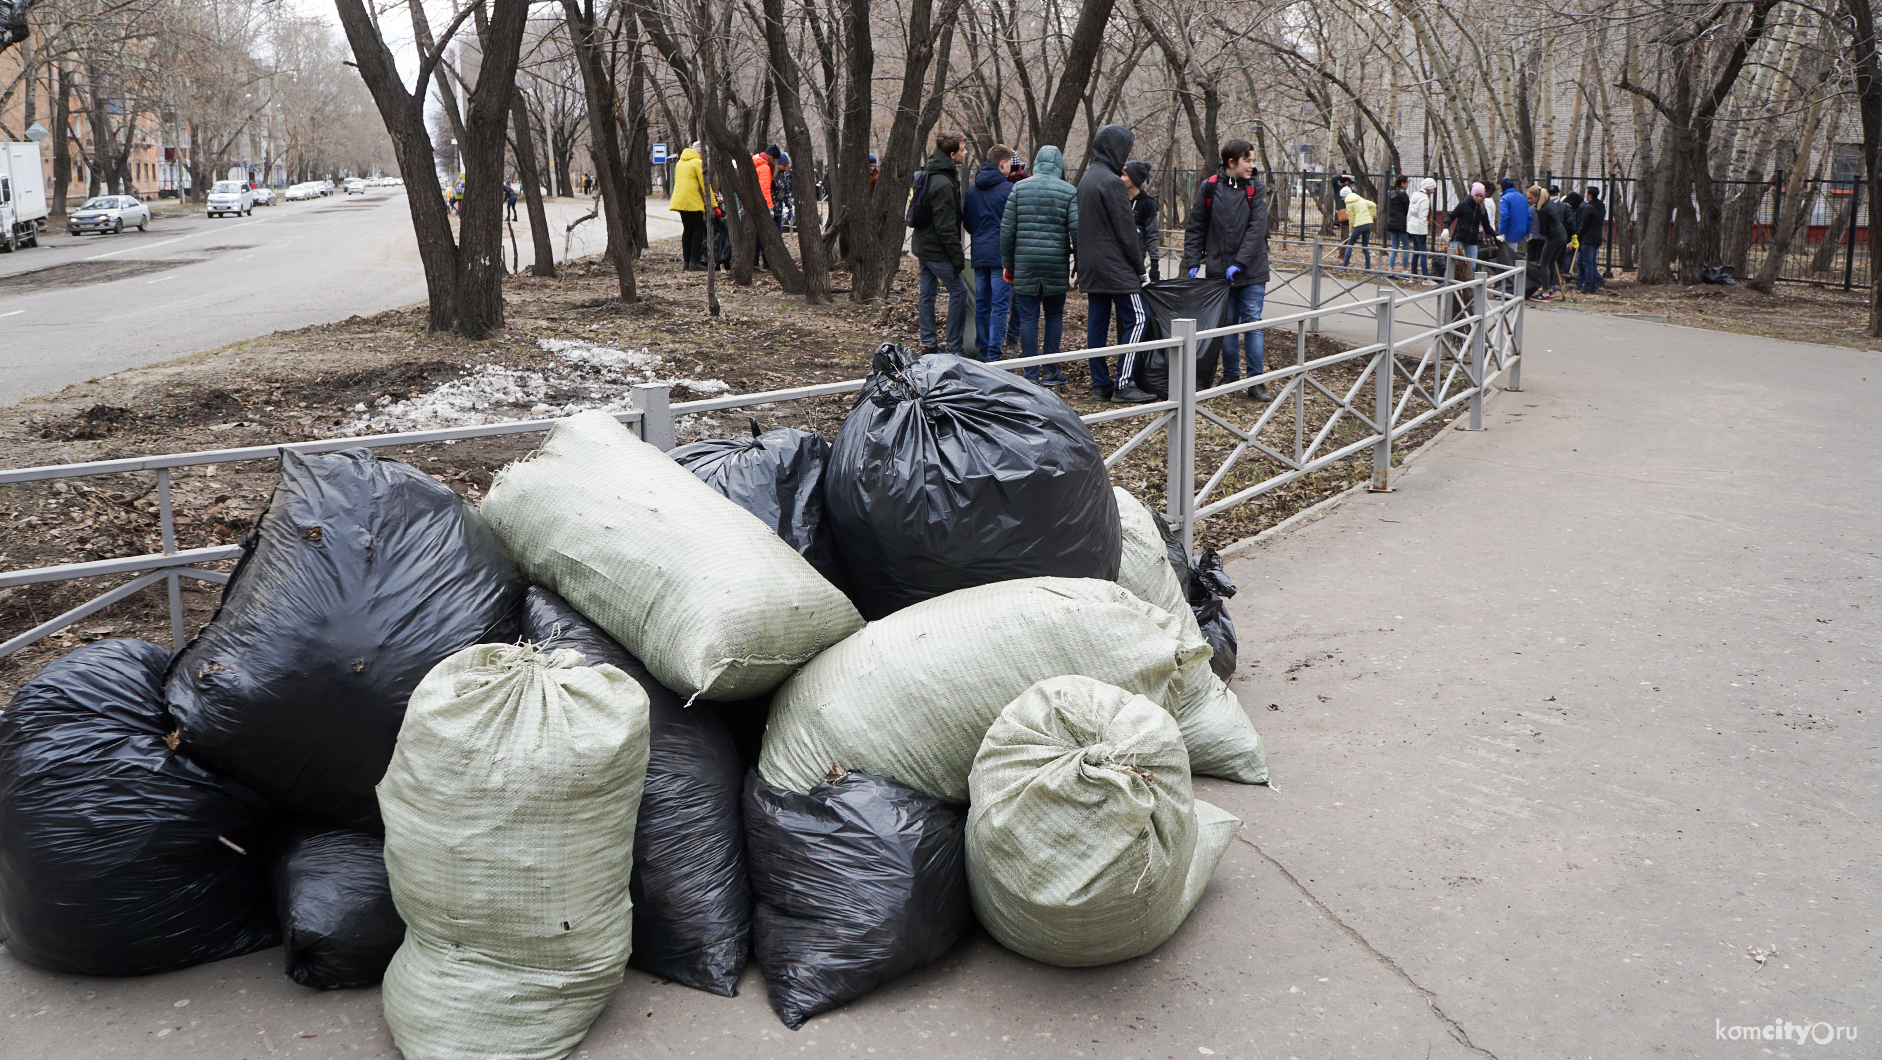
{"x": 1110, "y": 252}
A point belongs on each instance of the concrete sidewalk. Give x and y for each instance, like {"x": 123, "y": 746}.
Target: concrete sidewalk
{"x": 1567, "y": 728}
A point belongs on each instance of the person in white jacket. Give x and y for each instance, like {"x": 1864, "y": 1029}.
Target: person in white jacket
{"x": 1418, "y": 226}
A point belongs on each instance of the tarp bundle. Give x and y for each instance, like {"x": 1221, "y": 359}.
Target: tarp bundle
{"x": 1085, "y": 844}
{"x": 911, "y": 696}
{"x": 119, "y": 856}
{"x": 509, "y": 812}
{"x": 778, "y": 477}
{"x": 1222, "y": 742}
{"x": 1207, "y": 587}
{"x": 364, "y": 573}
{"x": 858, "y": 882}
{"x": 712, "y": 600}
{"x": 949, "y": 474}
{"x": 338, "y": 924}
{"x": 1204, "y": 299}
{"x": 692, "y": 905}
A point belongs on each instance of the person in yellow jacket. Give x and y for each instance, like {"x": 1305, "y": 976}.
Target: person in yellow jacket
{"x": 689, "y": 201}
{"x": 1360, "y": 212}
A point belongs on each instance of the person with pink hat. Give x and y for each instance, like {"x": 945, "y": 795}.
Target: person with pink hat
{"x": 1471, "y": 226}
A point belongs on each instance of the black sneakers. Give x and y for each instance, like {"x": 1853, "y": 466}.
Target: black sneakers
{"x": 1130, "y": 395}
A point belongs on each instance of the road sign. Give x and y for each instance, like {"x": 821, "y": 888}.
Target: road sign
{"x": 38, "y": 132}
{"x": 659, "y": 154}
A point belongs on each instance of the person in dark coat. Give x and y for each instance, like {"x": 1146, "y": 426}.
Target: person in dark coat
{"x": 937, "y": 247}
{"x": 1226, "y": 235}
{"x": 1038, "y": 238}
{"x": 1555, "y": 225}
{"x": 1397, "y": 239}
{"x": 1144, "y": 212}
{"x": 1588, "y": 224}
{"x": 1471, "y": 229}
{"x": 509, "y": 199}
{"x": 985, "y": 206}
{"x": 1110, "y": 259}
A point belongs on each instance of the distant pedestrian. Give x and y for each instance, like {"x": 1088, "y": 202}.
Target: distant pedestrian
{"x": 985, "y": 207}
{"x": 1144, "y": 212}
{"x": 588, "y": 184}
{"x": 1110, "y": 257}
{"x": 1397, "y": 238}
{"x": 509, "y": 199}
{"x": 937, "y": 245}
{"x": 1470, "y": 227}
{"x": 1226, "y": 235}
{"x": 1360, "y": 213}
{"x": 689, "y": 201}
{"x": 875, "y": 170}
{"x": 1420, "y": 213}
{"x": 1588, "y": 223}
{"x": 1038, "y": 239}
{"x": 1555, "y": 226}
{"x": 1514, "y": 222}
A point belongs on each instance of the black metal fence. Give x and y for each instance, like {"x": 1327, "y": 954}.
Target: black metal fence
{"x": 1829, "y": 247}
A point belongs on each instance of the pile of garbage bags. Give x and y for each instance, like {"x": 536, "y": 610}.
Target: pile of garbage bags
{"x": 629, "y": 711}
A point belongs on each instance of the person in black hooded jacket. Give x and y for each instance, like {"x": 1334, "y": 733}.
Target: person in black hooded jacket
{"x": 1110, "y": 264}
{"x": 1226, "y": 235}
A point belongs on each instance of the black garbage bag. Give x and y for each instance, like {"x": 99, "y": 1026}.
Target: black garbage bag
{"x": 1205, "y": 299}
{"x": 692, "y": 904}
{"x": 118, "y": 855}
{"x": 338, "y": 923}
{"x": 949, "y": 473}
{"x": 1209, "y": 590}
{"x": 1206, "y": 586}
{"x": 778, "y": 477}
{"x": 859, "y": 882}
{"x": 363, "y": 575}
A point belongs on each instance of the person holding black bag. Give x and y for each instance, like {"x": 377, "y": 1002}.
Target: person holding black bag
{"x": 1226, "y": 235}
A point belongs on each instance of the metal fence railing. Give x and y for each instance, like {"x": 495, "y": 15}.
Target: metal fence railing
{"x": 1431, "y": 351}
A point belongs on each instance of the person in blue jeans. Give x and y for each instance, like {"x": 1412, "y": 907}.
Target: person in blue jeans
{"x": 1588, "y": 225}
{"x": 1038, "y": 238}
{"x": 1226, "y": 235}
{"x": 984, "y": 207}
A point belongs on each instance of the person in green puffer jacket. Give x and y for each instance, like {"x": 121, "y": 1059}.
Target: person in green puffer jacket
{"x": 1038, "y": 237}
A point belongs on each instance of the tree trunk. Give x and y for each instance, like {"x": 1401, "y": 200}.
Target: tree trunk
{"x": 1655, "y": 208}
{"x": 785, "y": 72}
{"x": 404, "y": 115}
{"x": 1081, "y": 56}
{"x": 61, "y": 138}
{"x": 1791, "y": 202}
{"x": 602, "y": 131}
{"x": 530, "y": 177}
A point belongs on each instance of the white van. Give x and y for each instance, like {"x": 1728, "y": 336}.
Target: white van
{"x": 231, "y": 196}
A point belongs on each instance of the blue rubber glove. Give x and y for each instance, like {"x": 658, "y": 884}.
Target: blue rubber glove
{"x": 1195, "y": 272}
{"x": 1234, "y": 271}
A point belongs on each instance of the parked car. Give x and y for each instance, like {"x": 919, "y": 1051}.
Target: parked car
{"x": 326, "y": 187}
{"x": 264, "y": 195}
{"x": 302, "y": 192}
{"x": 356, "y": 186}
{"x": 231, "y": 196}
{"x": 109, "y": 213}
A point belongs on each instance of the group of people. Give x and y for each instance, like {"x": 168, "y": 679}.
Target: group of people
{"x": 1031, "y": 238}
{"x": 1559, "y": 233}
{"x": 689, "y": 200}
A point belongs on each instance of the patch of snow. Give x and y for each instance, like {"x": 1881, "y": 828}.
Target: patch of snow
{"x": 582, "y": 376}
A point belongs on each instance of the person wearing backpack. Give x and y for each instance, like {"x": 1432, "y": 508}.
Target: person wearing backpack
{"x": 985, "y": 206}
{"x": 1226, "y": 235}
{"x": 1038, "y": 237}
{"x": 934, "y": 212}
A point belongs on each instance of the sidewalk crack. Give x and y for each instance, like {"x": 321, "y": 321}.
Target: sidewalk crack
{"x": 1456, "y": 1030}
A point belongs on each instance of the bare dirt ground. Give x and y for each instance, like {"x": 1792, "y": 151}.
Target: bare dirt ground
{"x": 334, "y": 379}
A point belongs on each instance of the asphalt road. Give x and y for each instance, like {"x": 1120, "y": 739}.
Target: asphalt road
{"x": 79, "y": 307}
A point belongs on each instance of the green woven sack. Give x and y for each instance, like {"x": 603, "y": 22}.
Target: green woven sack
{"x": 1085, "y": 844}
{"x": 911, "y": 695}
{"x": 509, "y": 808}
{"x": 1222, "y": 741}
{"x": 709, "y": 597}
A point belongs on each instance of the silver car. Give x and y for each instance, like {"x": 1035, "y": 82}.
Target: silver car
{"x": 109, "y": 213}
{"x": 231, "y": 196}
